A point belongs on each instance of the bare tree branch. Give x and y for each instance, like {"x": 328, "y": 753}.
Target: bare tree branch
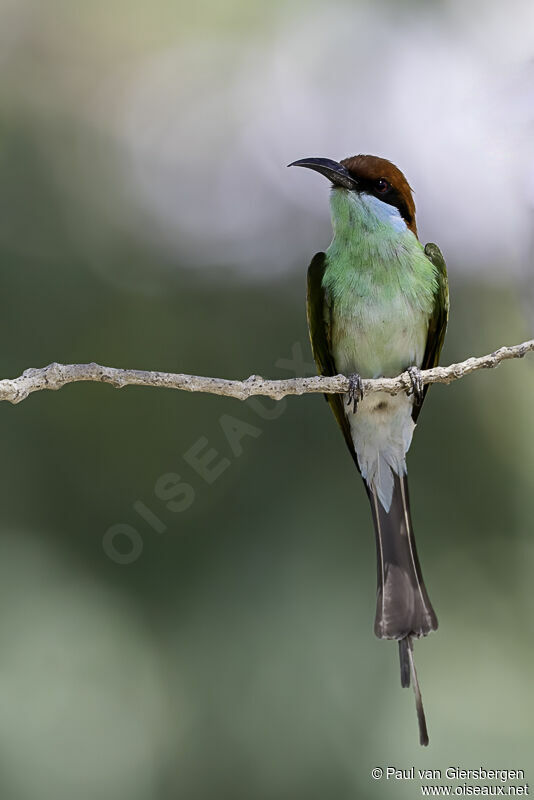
{"x": 57, "y": 375}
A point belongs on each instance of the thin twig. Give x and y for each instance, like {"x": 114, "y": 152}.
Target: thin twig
{"x": 57, "y": 375}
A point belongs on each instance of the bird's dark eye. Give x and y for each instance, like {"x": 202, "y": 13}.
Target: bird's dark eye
{"x": 382, "y": 186}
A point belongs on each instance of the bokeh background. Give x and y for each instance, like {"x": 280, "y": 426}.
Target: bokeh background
{"x": 166, "y": 633}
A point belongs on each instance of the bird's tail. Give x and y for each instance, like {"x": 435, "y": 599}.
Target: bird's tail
{"x": 402, "y": 604}
{"x": 403, "y": 609}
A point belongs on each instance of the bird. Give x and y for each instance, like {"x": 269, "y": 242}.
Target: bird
{"x": 378, "y": 306}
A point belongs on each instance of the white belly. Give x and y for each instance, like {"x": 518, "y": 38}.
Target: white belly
{"x": 382, "y": 430}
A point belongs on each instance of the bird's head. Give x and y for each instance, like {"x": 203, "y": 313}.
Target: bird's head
{"x": 368, "y": 177}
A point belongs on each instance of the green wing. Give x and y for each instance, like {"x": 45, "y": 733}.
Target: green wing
{"x": 440, "y": 315}
{"x": 319, "y": 313}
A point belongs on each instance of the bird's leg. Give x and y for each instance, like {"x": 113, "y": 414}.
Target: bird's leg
{"x": 417, "y": 384}
{"x": 355, "y": 392}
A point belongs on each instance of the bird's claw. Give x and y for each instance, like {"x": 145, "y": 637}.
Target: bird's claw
{"x": 355, "y": 392}
{"x": 417, "y": 384}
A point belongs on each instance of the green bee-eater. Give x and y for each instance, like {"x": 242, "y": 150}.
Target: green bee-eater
{"x": 378, "y": 305}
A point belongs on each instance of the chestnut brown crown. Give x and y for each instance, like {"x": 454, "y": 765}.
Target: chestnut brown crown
{"x": 381, "y": 178}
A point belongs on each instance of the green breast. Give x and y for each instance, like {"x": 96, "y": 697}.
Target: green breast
{"x": 380, "y": 286}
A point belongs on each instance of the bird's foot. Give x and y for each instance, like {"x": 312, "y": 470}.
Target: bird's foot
{"x": 416, "y": 380}
{"x": 355, "y": 392}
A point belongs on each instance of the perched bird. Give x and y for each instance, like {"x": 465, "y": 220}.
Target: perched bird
{"x": 378, "y": 305}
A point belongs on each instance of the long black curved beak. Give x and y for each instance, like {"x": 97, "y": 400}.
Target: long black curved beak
{"x": 333, "y": 170}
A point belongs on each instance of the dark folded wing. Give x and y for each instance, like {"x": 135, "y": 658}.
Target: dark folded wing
{"x": 440, "y": 315}
{"x": 319, "y": 312}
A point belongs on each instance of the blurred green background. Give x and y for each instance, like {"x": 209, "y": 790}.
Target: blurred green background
{"x": 147, "y": 221}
